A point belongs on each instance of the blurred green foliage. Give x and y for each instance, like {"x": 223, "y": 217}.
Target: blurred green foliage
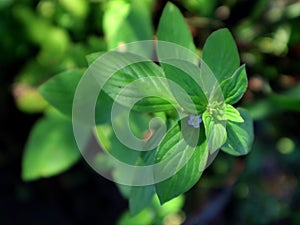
{"x": 41, "y": 38}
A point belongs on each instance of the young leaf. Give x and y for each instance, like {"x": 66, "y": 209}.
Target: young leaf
{"x": 240, "y": 135}
{"x": 189, "y": 174}
{"x": 145, "y": 217}
{"x": 51, "y": 148}
{"x": 221, "y": 54}
{"x": 235, "y": 86}
{"x": 173, "y": 28}
{"x": 232, "y": 114}
{"x": 215, "y": 132}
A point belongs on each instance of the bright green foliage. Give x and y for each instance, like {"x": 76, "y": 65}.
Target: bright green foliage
{"x": 174, "y": 146}
{"x": 154, "y": 212}
{"x": 51, "y": 148}
{"x": 153, "y": 86}
{"x": 215, "y": 132}
{"x": 233, "y": 114}
{"x": 173, "y": 28}
{"x": 126, "y": 22}
{"x": 206, "y": 121}
{"x": 220, "y": 54}
{"x": 59, "y": 90}
{"x": 202, "y": 7}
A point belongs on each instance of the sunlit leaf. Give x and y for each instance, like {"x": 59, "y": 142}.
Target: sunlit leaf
{"x": 232, "y": 114}
{"x": 215, "y": 132}
{"x": 221, "y": 54}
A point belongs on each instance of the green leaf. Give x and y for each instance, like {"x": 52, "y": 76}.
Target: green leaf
{"x": 240, "y": 135}
{"x": 171, "y": 207}
{"x": 176, "y": 150}
{"x": 232, "y": 114}
{"x": 126, "y": 22}
{"x": 50, "y": 150}
{"x": 202, "y": 7}
{"x": 289, "y": 100}
{"x": 28, "y": 99}
{"x": 186, "y": 75}
{"x": 215, "y": 132}
{"x": 173, "y": 28}
{"x": 221, "y": 54}
{"x": 145, "y": 217}
{"x": 234, "y": 87}
{"x": 141, "y": 84}
{"x": 141, "y": 196}
{"x": 93, "y": 56}
{"x": 59, "y": 90}
{"x": 138, "y": 125}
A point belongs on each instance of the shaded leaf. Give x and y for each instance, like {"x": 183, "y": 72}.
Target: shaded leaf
{"x": 59, "y": 90}
{"x": 240, "y": 135}
{"x": 234, "y": 87}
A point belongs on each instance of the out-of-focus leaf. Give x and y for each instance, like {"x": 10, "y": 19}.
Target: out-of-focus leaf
{"x": 202, "y": 7}
{"x": 28, "y": 99}
{"x": 171, "y": 207}
{"x": 51, "y": 148}
{"x": 59, "y": 90}
{"x": 78, "y": 8}
{"x": 145, "y": 217}
{"x": 126, "y": 22}
{"x": 289, "y": 100}
{"x": 5, "y": 3}
{"x": 173, "y": 28}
